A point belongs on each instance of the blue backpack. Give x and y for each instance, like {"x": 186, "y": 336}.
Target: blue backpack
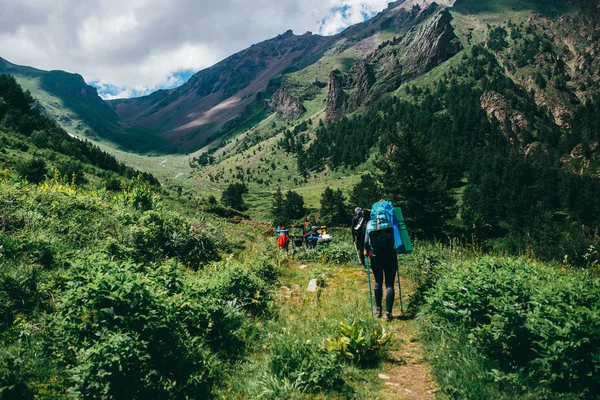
{"x": 383, "y": 228}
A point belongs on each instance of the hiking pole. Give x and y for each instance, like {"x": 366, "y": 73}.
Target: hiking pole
{"x": 400, "y": 289}
{"x": 357, "y": 253}
{"x": 369, "y": 280}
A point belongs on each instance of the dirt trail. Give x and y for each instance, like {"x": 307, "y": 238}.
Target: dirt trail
{"x": 409, "y": 377}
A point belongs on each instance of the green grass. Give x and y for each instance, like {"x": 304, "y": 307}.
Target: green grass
{"x": 474, "y": 305}
{"x": 322, "y": 68}
{"x": 502, "y": 10}
{"x": 304, "y": 316}
{"x": 78, "y": 109}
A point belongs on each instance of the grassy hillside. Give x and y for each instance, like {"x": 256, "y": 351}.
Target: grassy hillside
{"x": 78, "y": 109}
{"x": 111, "y": 287}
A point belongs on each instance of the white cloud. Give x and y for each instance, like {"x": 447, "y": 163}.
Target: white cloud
{"x": 131, "y": 47}
{"x": 346, "y": 13}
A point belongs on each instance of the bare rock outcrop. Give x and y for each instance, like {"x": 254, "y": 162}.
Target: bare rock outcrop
{"x": 288, "y": 107}
{"x": 364, "y": 78}
{"x": 337, "y": 99}
{"x": 429, "y": 44}
{"x": 496, "y": 106}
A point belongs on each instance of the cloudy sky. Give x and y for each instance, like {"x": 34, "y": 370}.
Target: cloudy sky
{"x": 132, "y": 47}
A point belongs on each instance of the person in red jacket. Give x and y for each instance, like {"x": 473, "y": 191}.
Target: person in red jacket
{"x": 283, "y": 241}
{"x": 306, "y": 228}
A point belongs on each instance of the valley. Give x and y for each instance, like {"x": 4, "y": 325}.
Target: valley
{"x": 138, "y": 254}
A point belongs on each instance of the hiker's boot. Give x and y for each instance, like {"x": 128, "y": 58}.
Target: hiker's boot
{"x": 388, "y": 316}
{"x": 378, "y": 312}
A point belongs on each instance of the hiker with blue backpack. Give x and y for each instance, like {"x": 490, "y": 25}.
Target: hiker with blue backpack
{"x": 385, "y": 237}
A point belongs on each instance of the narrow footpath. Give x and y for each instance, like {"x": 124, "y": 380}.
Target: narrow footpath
{"x": 406, "y": 374}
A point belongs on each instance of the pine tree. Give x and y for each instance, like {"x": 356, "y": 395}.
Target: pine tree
{"x": 232, "y": 196}
{"x": 333, "y": 208}
{"x": 293, "y": 207}
{"x": 277, "y": 213}
{"x": 366, "y": 192}
{"x": 34, "y": 169}
{"x": 409, "y": 180}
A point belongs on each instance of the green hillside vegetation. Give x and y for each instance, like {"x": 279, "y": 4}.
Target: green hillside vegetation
{"x": 26, "y": 132}
{"x": 134, "y": 292}
{"x": 79, "y": 110}
{"x": 167, "y": 283}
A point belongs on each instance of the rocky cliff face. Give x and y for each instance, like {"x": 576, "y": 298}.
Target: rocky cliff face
{"x": 365, "y": 78}
{"x": 359, "y": 81}
{"x": 429, "y": 44}
{"x": 288, "y": 108}
{"x": 496, "y": 106}
{"x": 194, "y": 111}
{"x": 426, "y": 40}
{"x": 337, "y": 100}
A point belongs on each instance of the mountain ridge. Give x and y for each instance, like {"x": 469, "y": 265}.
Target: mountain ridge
{"x": 78, "y": 108}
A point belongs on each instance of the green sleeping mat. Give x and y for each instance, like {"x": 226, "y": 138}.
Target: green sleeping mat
{"x": 403, "y": 231}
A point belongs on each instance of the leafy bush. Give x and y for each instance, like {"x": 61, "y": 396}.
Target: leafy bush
{"x": 232, "y": 282}
{"x": 18, "y": 292}
{"x": 139, "y": 195}
{"x": 72, "y": 171}
{"x": 530, "y": 318}
{"x": 309, "y": 366}
{"x": 160, "y": 235}
{"x": 138, "y": 333}
{"x": 423, "y": 268}
{"x": 118, "y": 366}
{"x": 34, "y": 169}
{"x": 337, "y": 253}
{"x": 340, "y": 252}
{"x": 361, "y": 342}
{"x": 267, "y": 271}
{"x": 15, "y": 373}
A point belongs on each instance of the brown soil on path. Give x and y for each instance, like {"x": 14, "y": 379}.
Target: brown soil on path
{"x": 409, "y": 376}
{"x": 408, "y": 372}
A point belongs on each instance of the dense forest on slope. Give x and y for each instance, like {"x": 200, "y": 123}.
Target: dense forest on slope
{"x": 24, "y": 129}
{"x": 523, "y": 188}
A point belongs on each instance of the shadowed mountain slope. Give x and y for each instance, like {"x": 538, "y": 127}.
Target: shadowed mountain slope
{"x": 79, "y": 110}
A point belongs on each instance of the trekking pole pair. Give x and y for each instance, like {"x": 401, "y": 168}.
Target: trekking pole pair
{"x": 368, "y": 266}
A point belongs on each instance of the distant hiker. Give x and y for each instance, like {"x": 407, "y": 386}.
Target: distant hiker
{"x": 283, "y": 241}
{"x": 306, "y": 228}
{"x": 359, "y": 224}
{"x": 312, "y": 237}
{"x": 357, "y": 221}
{"x": 380, "y": 244}
{"x": 298, "y": 241}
